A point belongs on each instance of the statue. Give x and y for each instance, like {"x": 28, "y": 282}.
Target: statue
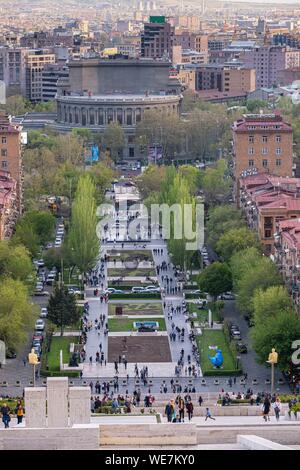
{"x": 32, "y": 358}
{"x": 273, "y": 357}
{"x": 217, "y": 360}
{"x": 2, "y": 353}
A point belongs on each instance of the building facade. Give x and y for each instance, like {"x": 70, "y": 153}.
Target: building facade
{"x": 35, "y": 62}
{"x": 157, "y": 38}
{"x": 9, "y": 210}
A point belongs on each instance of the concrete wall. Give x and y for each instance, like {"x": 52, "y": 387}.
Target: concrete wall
{"x": 148, "y": 434}
{"x": 259, "y": 443}
{"x": 107, "y": 77}
{"x": 50, "y": 439}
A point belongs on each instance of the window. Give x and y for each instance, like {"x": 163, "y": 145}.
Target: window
{"x": 3, "y": 140}
{"x": 138, "y": 115}
{"x": 278, "y": 151}
{"x": 264, "y": 151}
{"x": 110, "y": 115}
{"x": 100, "y": 117}
{"x": 251, "y": 163}
{"x": 129, "y": 117}
{"x": 278, "y": 138}
{"x": 278, "y": 162}
{"x": 92, "y": 117}
{"x": 120, "y": 116}
{"x": 3, "y": 152}
{"x": 4, "y": 164}
{"x": 131, "y": 152}
{"x": 268, "y": 233}
{"x": 264, "y": 139}
{"x": 265, "y": 163}
{"x": 250, "y": 151}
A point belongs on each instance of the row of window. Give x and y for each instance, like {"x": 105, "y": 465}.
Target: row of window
{"x": 264, "y": 139}
{"x": 264, "y": 151}
{"x": 265, "y": 162}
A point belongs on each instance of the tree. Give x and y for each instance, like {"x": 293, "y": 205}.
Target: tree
{"x": 150, "y": 180}
{"x": 278, "y": 333}
{"x": 215, "y": 279}
{"x": 102, "y": 174}
{"x": 235, "y": 240}
{"x": 216, "y": 187}
{"x": 62, "y": 308}
{"x": 268, "y": 303}
{"x": 221, "y": 220}
{"x": 193, "y": 176}
{"x": 242, "y": 261}
{"x": 83, "y": 238}
{"x": 42, "y": 223}
{"x": 255, "y": 105}
{"x": 17, "y": 314}
{"x": 16, "y": 105}
{"x": 114, "y": 139}
{"x": 25, "y": 235}
{"x": 261, "y": 276}
{"x": 15, "y": 262}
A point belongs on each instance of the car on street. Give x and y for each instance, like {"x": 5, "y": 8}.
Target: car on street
{"x": 40, "y": 325}
{"x": 196, "y": 292}
{"x": 37, "y": 336}
{"x": 49, "y": 245}
{"x": 227, "y": 296}
{"x": 50, "y": 279}
{"x": 42, "y": 293}
{"x": 235, "y": 334}
{"x": 74, "y": 290}
{"x": 241, "y": 348}
{"x": 152, "y": 289}
{"x": 43, "y": 312}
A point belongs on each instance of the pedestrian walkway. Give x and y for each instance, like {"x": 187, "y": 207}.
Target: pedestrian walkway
{"x": 155, "y": 369}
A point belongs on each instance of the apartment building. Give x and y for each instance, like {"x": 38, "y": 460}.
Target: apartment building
{"x": 268, "y": 61}
{"x": 12, "y": 69}
{"x": 50, "y": 76}
{"x": 265, "y": 200}
{"x": 11, "y": 154}
{"x": 262, "y": 143}
{"x": 157, "y": 38}
{"x": 35, "y": 62}
{"x": 8, "y": 205}
{"x": 188, "y": 40}
{"x": 225, "y": 78}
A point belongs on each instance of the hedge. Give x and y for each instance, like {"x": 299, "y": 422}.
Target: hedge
{"x": 49, "y": 373}
{"x": 141, "y": 296}
{"x": 189, "y": 295}
{"x": 220, "y": 372}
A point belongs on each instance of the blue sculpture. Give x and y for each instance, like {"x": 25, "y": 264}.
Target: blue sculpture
{"x": 217, "y": 360}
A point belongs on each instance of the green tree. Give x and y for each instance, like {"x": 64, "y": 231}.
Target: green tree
{"x": 150, "y": 180}
{"x": 269, "y": 303}
{"x": 261, "y": 276}
{"x": 15, "y": 262}
{"x": 215, "y": 279}
{"x": 221, "y": 219}
{"x": 216, "y": 187}
{"x": 102, "y": 174}
{"x": 17, "y": 314}
{"x": 42, "y": 223}
{"x": 193, "y": 176}
{"x": 255, "y": 105}
{"x": 114, "y": 139}
{"x": 82, "y": 238}
{"x": 242, "y": 261}
{"x": 16, "y": 105}
{"x": 235, "y": 240}
{"x": 62, "y": 308}
{"x": 25, "y": 235}
{"x": 278, "y": 333}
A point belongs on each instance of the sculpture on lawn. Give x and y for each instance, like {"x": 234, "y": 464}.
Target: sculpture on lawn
{"x": 217, "y": 360}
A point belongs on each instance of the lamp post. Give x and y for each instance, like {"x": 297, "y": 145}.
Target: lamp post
{"x": 238, "y": 358}
{"x": 273, "y": 359}
{"x": 33, "y": 360}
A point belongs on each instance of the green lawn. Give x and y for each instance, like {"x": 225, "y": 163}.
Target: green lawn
{"x": 214, "y": 338}
{"x": 58, "y": 343}
{"x": 137, "y": 309}
{"x": 137, "y": 272}
{"x": 126, "y": 324}
{"x": 202, "y": 314}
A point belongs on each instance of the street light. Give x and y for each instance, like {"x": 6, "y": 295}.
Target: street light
{"x": 33, "y": 360}
{"x": 238, "y": 358}
{"x": 273, "y": 359}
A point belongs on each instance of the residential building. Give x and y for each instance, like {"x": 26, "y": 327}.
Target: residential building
{"x": 157, "y": 38}
{"x": 11, "y": 153}
{"x": 8, "y": 205}
{"x": 268, "y": 61}
{"x": 262, "y": 143}
{"x": 35, "y": 62}
{"x": 50, "y": 76}
{"x": 267, "y": 199}
{"x": 232, "y": 79}
{"x": 12, "y": 69}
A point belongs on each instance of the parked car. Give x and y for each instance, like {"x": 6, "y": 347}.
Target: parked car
{"x": 37, "y": 337}
{"x": 40, "y": 325}
{"x": 74, "y": 290}
{"x": 42, "y": 293}
{"x": 152, "y": 289}
{"x": 196, "y": 292}
{"x": 241, "y": 348}
{"x": 227, "y": 296}
{"x": 50, "y": 279}
{"x": 236, "y": 335}
{"x": 10, "y": 353}
{"x": 112, "y": 290}
{"x": 43, "y": 312}
{"x": 137, "y": 290}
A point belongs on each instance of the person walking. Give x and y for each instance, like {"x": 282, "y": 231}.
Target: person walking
{"x": 5, "y": 411}
{"x": 190, "y": 409}
{"x": 266, "y": 409}
{"x": 200, "y": 400}
{"x": 277, "y": 408}
{"x": 19, "y": 412}
{"x": 169, "y": 412}
{"x": 181, "y": 406}
{"x": 208, "y": 415}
